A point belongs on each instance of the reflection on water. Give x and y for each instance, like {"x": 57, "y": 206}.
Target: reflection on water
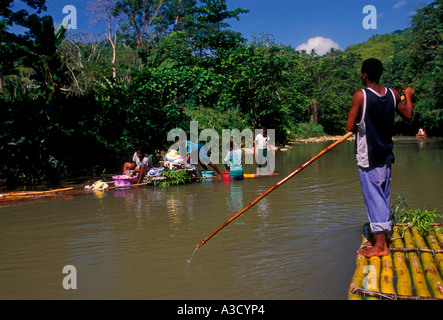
{"x": 299, "y": 242}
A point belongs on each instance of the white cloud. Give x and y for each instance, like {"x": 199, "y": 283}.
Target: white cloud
{"x": 319, "y": 44}
{"x": 399, "y": 4}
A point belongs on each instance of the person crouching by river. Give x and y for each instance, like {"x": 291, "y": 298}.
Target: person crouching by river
{"x": 234, "y": 158}
{"x": 140, "y": 164}
{"x": 372, "y": 119}
{"x": 203, "y": 155}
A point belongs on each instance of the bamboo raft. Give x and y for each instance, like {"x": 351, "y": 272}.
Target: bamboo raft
{"x": 31, "y": 195}
{"x": 14, "y": 196}
{"x": 413, "y": 270}
{"x": 53, "y": 193}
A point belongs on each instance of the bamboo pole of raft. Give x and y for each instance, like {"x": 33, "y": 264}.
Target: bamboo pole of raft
{"x": 429, "y": 266}
{"x": 436, "y": 249}
{"x": 438, "y": 230}
{"x": 278, "y": 184}
{"x": 404, "y": 284}
{"x": 418, "y": 277}
{"x": 418, "y": 250}
{"x": 387, "y": 275}
{"x": 372, "y": 279}
{"x": 32, "y": 193}
{"x": 366, "y": 292}
{"x": 359, "y": 275}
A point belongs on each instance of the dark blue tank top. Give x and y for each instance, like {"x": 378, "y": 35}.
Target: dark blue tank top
{"x": 374, "y": 138}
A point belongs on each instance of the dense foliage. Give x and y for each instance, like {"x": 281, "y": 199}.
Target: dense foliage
{"x": 417, "y": 61}
{"x": 74, "y": 104}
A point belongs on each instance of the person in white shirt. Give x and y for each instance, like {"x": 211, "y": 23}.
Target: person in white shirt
{"x": 140, "y": 163}
{"x": 261, "y": 147}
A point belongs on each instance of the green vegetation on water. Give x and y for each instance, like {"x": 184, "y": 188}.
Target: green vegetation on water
{"x": 174, "y": 177}
{"x": 422, "y": 219}
{"x": 78, "y": 104}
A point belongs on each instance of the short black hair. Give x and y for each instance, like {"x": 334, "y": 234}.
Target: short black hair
{"x": 373, "y": 69}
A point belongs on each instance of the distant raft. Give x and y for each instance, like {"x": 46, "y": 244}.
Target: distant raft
{"x": 413, "y": 270}
{"x": 28, "y": 195}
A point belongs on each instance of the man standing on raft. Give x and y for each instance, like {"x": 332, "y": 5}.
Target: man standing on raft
{"x": 372, "y": 119}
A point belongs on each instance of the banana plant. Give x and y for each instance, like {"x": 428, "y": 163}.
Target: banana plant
{"x": 43, "y": 56}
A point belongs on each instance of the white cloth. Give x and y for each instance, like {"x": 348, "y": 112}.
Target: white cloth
{"x": 137, "y": 161}
{"x": 261, "y": 141}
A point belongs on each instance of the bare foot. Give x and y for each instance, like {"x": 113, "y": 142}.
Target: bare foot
{"x": 373, "y": 252}
{"x": 380, "y": 248}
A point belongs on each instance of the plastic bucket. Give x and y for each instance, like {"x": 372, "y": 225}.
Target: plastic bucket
{"x": 225, "y": 176}
{"x": 123, "y": 180}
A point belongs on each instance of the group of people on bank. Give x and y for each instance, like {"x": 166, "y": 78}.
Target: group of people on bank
{"x": 141, "y": 163}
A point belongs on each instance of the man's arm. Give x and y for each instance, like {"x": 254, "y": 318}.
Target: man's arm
{"x": 405, "y": 110}
{"x": 355, "y": 112}
{"x": 215, "y": 168}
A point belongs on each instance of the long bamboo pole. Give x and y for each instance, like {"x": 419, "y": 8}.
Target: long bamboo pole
{"x": 278, "y": 184}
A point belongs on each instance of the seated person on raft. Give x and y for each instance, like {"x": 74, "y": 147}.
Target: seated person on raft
{"x": 140, "y": 164}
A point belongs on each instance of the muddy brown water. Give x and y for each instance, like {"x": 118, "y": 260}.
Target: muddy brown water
{"x": 299, "y": 242}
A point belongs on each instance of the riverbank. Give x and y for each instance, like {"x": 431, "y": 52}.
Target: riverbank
{"x": 324, "y": 138}
{"x": 320, "y": 139}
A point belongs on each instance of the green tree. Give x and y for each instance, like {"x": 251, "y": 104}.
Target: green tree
{"x": 260, "y": 81}
{"x": 43, "y": 57}
{"x": 12, "y": 45}
{"x": 418, "y": 62}
{"x": 329, "y": 83}
{"x": 106, "y": 10}
{"x": 209, "y": 29}
{"x": 87, "y": 59}
{"x": 143, "y": 20}
{"x": 19, "y": 17}
{"x": 338, "y": 79}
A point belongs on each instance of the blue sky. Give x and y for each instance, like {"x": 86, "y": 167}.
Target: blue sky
{"x": 294, "y": 22}
{"x": 336, "y": 23}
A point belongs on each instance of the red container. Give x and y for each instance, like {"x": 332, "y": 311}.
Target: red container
{"x": 225, "y": 176}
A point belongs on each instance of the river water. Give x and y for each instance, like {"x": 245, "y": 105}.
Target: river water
{"x": 299, "y": 242}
